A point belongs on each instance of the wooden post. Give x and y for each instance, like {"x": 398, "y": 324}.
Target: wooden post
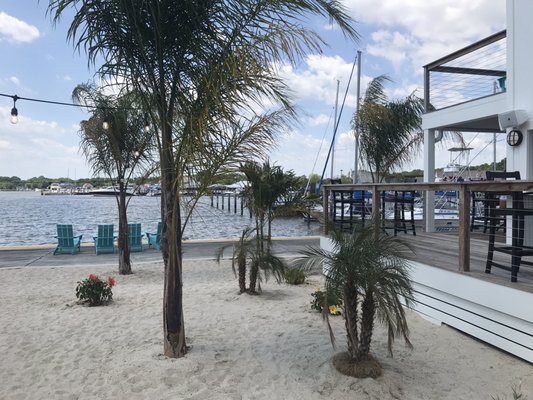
{"x": 211, "y": 199}
{"x": 375, "y": 208}
{"x": 325, "y": 208}
{"x": 464, "y": 228}
{"x": 229, "y": 202}
{"x": 217, "y": 200}
{"x": 242, "y": 204}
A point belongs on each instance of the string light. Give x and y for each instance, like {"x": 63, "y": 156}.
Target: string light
{"x": 14, "y": 112}
{"x": 105, "y": 124}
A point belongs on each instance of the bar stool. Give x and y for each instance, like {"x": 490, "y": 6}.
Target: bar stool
{"x": 517, "y": 212}
{"x": 402, "y": 201}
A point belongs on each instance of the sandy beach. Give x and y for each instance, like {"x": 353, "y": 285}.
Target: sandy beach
{"x": 271, "y": 346}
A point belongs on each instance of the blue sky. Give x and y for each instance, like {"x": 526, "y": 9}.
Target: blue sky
{"x": 397, "y": 39}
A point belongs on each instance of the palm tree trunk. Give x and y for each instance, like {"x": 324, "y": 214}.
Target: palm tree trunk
{"x": 124, "y": 262}
{"x": 173, "y": 321}
{"x": 242, "y": 274}
{"x": 270, "y": 217}
{"x": 350, "y": 320}
{"x": 254, "y": 271}
{"x": 368, "y": 310}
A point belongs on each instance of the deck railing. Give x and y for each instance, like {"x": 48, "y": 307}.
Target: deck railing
{"x": 476, "y": 71}
{"x": 427, "y": 191}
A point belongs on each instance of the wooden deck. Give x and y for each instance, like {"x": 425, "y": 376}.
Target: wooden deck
{"x": 441, "y": 250}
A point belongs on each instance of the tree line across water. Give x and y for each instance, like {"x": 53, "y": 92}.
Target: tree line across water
{"x": 42, "y": 182}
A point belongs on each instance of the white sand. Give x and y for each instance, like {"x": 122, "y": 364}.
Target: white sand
{"x": 271, "y": 346}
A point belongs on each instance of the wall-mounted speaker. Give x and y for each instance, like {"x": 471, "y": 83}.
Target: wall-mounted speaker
{"x": 511, "y": 119}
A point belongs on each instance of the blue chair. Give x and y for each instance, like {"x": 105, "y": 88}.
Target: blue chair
{"x": 66, "y": 241}
{"x": 154, "y": 239}
{"x": 135, "y": 237}
{"x": 105, "y": 241}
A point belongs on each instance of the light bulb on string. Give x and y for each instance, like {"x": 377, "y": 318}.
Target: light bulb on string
{"x": 14, "y": 112}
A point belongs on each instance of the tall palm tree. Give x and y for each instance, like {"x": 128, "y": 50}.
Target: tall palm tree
{"x": 369, "y": 268}
{"x": 120, "y": 150}
{"x": 205, "y": 66}
{"x": 390, "y": 132}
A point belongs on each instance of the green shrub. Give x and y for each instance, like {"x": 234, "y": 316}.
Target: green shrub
{"x": 295, "y": 276}
{"x": 94, "y": 291}
{"x": 334, "y": 301}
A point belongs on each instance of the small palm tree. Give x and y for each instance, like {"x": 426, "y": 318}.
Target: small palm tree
{"x": 250, "y": 250}
{"x": 241, "y": 251}
{"x": 369, "y": 268}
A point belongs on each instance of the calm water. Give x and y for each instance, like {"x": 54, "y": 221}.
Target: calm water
{"x": 28, "y": 218}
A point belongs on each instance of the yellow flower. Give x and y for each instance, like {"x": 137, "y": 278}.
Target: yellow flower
{"x": 333, "y": 310}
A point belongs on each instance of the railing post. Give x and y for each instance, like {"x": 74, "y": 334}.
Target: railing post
{"x": 325, "y": 208}
{"x": 464, "y": 228}
{"x": 375, "y": 208}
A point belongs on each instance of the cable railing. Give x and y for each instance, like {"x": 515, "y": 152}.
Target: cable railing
{"x": 474, "y": 72}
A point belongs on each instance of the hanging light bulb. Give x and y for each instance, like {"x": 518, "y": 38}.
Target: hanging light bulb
{"x": 14, "y": 112}
{"x": 105, "y": 124}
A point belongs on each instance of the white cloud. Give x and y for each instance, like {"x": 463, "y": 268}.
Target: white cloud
{"x": 321, "y": 119}
{"x": 38, "y": 147}
{"x": 15, "y": 30}
{"x": 414, "y": 33}
{"x": 14, "y": 80}
{"x": 4, "y": 145}
{"x": 317, "y": 80}
{"x": 305, "y": 154}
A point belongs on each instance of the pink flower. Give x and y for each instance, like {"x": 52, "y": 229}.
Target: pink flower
{"x": 93, "y": 277}
{"x": 111, "y": 281}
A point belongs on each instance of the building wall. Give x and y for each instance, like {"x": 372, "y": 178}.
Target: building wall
{"x": 520, "y": 81}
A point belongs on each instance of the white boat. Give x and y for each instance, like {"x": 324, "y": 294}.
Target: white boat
{"x": 111, "y": 191}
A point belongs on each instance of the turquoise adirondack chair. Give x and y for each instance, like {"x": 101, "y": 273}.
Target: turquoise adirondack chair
{"x": 135, "y": 237}
{"x": 66, "y": 241}
{"x": 154, "y": 239}
{"x": 105, "y": 241}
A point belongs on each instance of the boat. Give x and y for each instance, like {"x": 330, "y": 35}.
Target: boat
{"x": 111, "y": 191}
{"x": 57, "y": 189}
{"x": 154, "y": 190}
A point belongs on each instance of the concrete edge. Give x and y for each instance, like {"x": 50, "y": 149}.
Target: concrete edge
{"x": 193, "y": 241}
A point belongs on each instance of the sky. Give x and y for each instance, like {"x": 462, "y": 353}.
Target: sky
{"x": 397, "y": 38}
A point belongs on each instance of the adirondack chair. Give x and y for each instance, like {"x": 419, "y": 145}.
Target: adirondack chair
{"x": 154, "y": 239}
{"x": 66, "y": 241}
{"x": 135, "y": 237}
{"x": 105, "y": 241}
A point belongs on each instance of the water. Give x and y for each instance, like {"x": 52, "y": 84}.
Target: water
{"x": 28, "y": 218}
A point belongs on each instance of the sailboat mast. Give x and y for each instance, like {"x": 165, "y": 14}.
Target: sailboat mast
{"x": 334, "y": 130}
{"x": 357, "y": 104}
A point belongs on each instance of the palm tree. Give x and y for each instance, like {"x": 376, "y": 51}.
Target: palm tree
{"x": 118, "y": 150}
{"x": 250, "y": 250}
{"x": 205, "y": 67}
{"x": 369, "y": 268}
{"x": 390, "y": 132}
{"x": 270, "y": 193}
{"x": 242, "y": 250}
